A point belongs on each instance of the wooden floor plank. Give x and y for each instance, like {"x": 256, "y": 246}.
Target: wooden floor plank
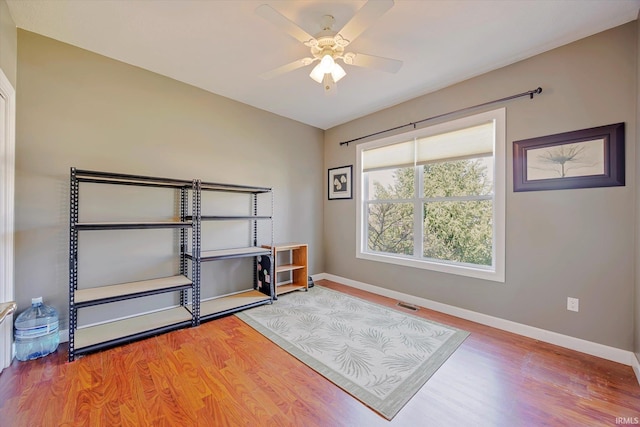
{"x": 224, "y": 373}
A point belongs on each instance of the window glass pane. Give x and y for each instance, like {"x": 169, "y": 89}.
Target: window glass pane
{"x": 471, "y": 177}
{"x": 459, "y": 231}
{"x": 390, "y": 228}
{"x": 391, "y": 184}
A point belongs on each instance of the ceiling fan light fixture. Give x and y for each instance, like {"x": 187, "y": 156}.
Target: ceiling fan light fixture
{"x": 338, "y": 72}
{"x": 327, "y": 67}
{"x": 317, "y": 74}
{"x": 327, "y": 63}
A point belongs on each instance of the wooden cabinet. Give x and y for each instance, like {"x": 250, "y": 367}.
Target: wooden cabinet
{"x": 290, "y": 271}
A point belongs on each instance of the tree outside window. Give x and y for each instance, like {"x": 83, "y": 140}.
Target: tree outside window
{"x": 456, "y": 210}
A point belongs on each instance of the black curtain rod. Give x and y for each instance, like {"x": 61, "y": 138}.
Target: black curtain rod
{"x": 529, "y": 93}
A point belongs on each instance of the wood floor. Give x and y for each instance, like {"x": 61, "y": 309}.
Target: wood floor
{"x": 224, "y": 373}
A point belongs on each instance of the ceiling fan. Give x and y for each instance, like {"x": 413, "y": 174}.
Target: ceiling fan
{"x": 328, "y": 45}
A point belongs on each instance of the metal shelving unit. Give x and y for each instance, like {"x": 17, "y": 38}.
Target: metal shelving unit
{"x": 88, "y": 339}
{"x": 187, "y": 282}
{"x": 255, "y": 295}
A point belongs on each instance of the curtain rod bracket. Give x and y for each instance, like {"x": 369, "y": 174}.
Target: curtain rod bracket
{"x": 535, "y": 92}
{"x": 531, "y": 93}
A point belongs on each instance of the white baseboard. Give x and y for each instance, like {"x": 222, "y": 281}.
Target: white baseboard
{"x": 635, "y": 364}
{"x": 606, "y": 352}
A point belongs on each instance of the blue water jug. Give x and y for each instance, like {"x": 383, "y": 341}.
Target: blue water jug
{"x": 36, "y": 331}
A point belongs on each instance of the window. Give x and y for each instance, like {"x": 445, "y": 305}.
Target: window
{"x": 434, "y": 198}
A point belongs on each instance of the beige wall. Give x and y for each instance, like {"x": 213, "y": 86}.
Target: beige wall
{"x": 8, "y": 43}
{"x": 637, "y": 218}
{"x": 564, "y": 243}
{"x": 79, "y": 109}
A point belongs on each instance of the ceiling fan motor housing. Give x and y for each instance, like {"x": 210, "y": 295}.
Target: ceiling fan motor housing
{"x": 327, "y": 42}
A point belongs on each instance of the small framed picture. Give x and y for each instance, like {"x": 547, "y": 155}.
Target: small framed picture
{"x": 579, "y": 159}
{"x": 340, "y": 183}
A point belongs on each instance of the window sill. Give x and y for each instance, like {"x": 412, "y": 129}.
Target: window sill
{"x": 488, "y": 273}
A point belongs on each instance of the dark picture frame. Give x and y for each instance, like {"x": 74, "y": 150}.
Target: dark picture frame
{"x": 580, "y": 159}
{"x": 340, "y": 182}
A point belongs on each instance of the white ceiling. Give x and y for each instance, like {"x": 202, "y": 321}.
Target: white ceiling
{"x": 222, "y": 46}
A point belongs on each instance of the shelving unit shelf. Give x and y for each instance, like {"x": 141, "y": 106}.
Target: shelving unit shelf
{"x": 130, "y": 225}
{"x": 94, "y": 338}
{"x": 115, "y": 332}
{"x": 221, "y": 306}
{"x": 290, "y": 261}
{"x": 219, "y": 254}
{"x": 112, "y": 293}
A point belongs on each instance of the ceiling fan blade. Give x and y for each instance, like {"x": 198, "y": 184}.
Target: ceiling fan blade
{"x": 372, "y": 10}
{"x": 284, "y": 23}
{"x": 369, "y": 61}
{"x": 286, "y": 68}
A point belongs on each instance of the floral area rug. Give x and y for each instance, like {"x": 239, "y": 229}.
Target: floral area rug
{"x": 379, "y": 355}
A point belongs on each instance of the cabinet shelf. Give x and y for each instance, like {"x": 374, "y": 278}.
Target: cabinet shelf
{"x": 289, "y": 267}
{"x": 283, "y": 289}
{"x": 280, "y": 247}
{"x": 111, "y": 293}
{"x": 109, "y": 334}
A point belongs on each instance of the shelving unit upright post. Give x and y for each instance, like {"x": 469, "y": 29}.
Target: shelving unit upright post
{"x": 195, "y": 219}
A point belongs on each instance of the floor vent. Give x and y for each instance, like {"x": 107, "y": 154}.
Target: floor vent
{"x": 407, "y": 306}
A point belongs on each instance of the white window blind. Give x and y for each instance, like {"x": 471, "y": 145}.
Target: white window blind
{"x": 475, "y": 141}
{"x": 401, "y": 154}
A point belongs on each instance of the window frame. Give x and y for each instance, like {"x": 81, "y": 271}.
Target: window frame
{"x": 495, "y": 272}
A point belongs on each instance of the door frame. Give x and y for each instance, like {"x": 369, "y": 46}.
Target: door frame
{"x": 7, "y": 213}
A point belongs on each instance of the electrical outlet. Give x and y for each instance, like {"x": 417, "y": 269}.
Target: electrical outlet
{"x": 573, "y": 304}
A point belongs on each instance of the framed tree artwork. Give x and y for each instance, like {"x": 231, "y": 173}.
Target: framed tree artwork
{"x": 580, "y": 159}
{"x": 340, "y": 183}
